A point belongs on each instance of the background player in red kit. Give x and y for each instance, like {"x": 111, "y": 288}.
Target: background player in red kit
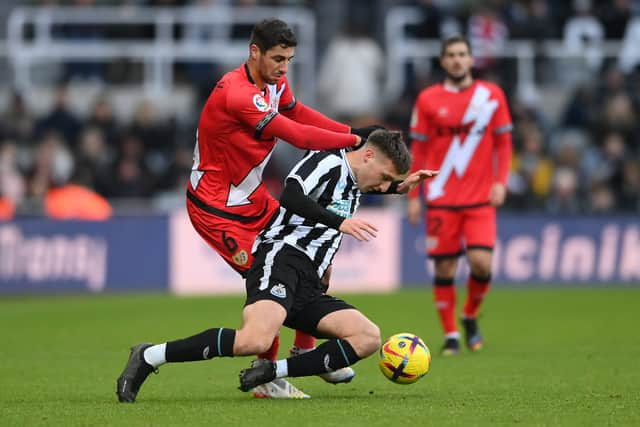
{"x": 248, "y": 109}
{"x": 463, "y": 128}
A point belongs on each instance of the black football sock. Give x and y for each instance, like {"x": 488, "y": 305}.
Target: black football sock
{"x": 328, "y": 356}
{"x": 215, "y": 342}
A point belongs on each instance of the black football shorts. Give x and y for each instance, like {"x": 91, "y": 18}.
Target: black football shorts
{"x": 285, "y": 275}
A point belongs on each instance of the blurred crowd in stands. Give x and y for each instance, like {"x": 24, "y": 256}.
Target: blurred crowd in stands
{"x": 583, "y": 158}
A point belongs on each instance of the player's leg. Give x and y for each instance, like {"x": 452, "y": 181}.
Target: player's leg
{"x": 274, "y": 277}
{"x": 478, "y": 285}
{"x": 444, "y": 247}
{"x": 262, "y": 318}
{"x": 305, "y": 343}
{"x": 261, "y": 322}
{"x": 444, "y": 296}
{"x": 233, "y": 241}
{"x": 480, "y": 234}
{"x": 353, "y": 337}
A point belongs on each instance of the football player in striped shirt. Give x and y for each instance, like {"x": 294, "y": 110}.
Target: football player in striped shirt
{"x": 228, "y": 203}
{"x": 292, "y": 253}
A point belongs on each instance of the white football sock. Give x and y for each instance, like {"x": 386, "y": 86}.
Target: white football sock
{"x": 156, "y": 355}
{"x": 282, "y": 368}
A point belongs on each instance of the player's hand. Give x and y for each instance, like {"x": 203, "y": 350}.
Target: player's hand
{"x": 414, "y": 179}
{"x": 363, "y": 134}
{"x": 360, "y": 141}
{"x": 497, "y": 194}
{"x": 359, "y": 229}
{"x": 414, "y": 210}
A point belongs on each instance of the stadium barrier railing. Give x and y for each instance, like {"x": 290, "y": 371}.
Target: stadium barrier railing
{"x": 158, "y": 53}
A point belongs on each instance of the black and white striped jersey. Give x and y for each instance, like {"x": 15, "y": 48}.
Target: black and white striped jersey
{"x": 327, "y": 178}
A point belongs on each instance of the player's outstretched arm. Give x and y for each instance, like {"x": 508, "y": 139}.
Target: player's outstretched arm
{"x": 308, "y": 116}
{"x": 307, "y": 137}
{"x": 250, "y": 109}
{"x": 414, "y": 179}
{"x": 409, "y": 183}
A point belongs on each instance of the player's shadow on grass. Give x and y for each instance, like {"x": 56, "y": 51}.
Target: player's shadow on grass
{"x": 239, "y": 398}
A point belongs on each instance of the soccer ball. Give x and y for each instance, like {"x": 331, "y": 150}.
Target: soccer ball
{"x": 404, "y": 358}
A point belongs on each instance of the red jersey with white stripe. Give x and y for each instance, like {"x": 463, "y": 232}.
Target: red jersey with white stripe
{"x": 230, "y": 153}
{"x": 454, "y": 131}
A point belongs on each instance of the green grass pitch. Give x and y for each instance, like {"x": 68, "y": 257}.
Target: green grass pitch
{"x": 551, "y": 357}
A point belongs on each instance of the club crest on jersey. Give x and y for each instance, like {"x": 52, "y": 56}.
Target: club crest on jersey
{"x": 260, "y": 103}
{"x": 279, "y": 291}
{"x": 241, "y": 257}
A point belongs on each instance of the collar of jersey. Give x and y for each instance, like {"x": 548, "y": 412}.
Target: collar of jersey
{"x": 343, "y": 153}
{"x": 248, "y": 73}
{"x": 246, "y": 70}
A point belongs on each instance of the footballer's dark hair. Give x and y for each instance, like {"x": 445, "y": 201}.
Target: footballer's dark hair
{"x": 272, "y": 32}
{"x": 457, "y": 38}
{"x": 391, "y": 144}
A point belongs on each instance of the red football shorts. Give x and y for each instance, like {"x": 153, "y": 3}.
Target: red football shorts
{"x": 449, "y": 231}
{"x": 232, "y": 239}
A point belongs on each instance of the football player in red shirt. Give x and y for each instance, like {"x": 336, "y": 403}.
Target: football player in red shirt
{"x": 463, "y": 128}
{"x": 249, "y": 108}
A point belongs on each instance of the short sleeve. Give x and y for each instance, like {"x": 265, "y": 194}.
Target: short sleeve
{"x": 314, "y": 169}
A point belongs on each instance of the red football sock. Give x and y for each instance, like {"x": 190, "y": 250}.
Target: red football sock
{"x": 477, "y": 288}
{"x": 272, "y": 353}
{"x": 444, "y": 295}
{"x": 304, "y": 340}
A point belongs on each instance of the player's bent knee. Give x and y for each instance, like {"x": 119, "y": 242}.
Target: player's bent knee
{"x": 247, "y": 344}
{"x": 250, "y": 348}
{"x": 373, "y": 339}
{"x": 368, "y": 341}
